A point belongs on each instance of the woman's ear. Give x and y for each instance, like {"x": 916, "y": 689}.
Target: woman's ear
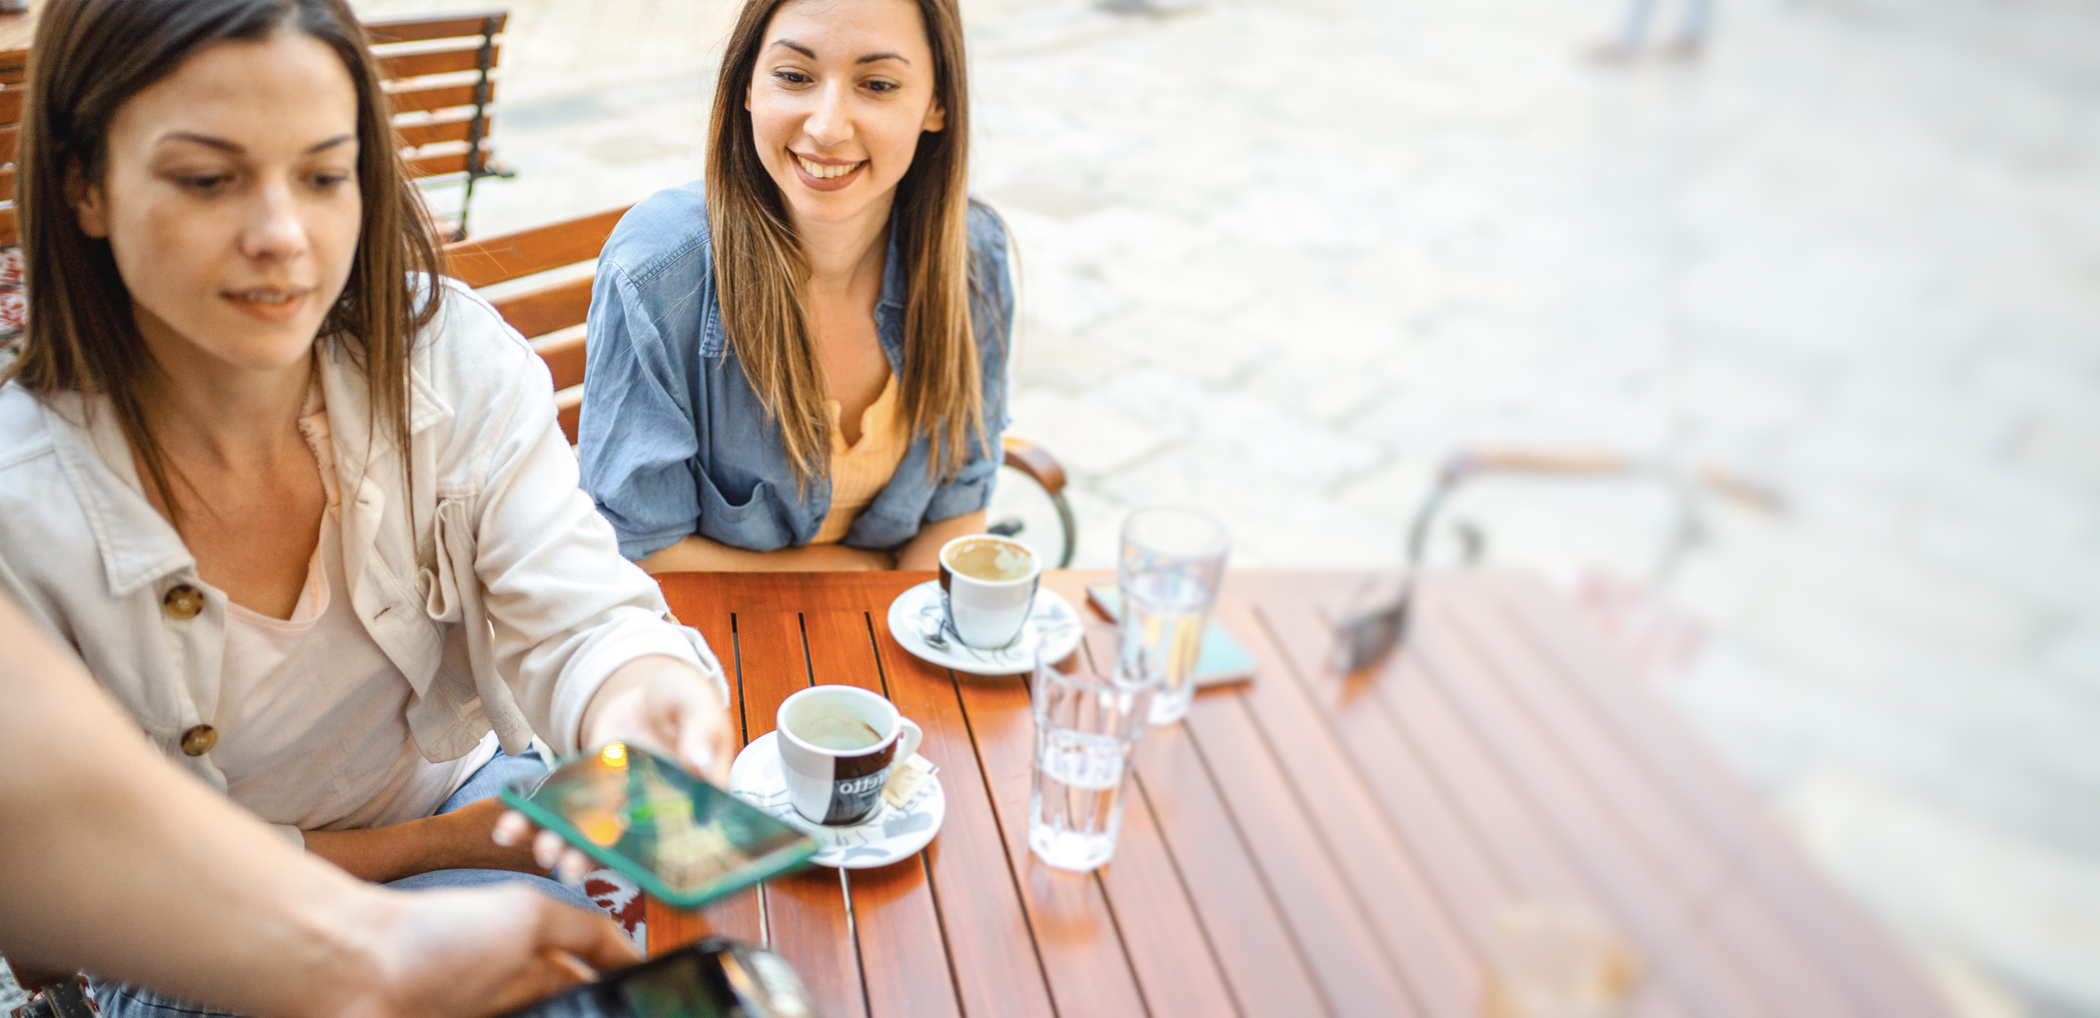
{"x": 88, "y": 201}
{"x": 936, "y": 117}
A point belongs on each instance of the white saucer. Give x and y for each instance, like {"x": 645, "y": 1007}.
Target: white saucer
{"x": 885, "y": 837}
{"x": 920, "y": 609}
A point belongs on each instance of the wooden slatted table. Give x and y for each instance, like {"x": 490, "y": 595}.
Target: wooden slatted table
{"x": 1308, "y": 843}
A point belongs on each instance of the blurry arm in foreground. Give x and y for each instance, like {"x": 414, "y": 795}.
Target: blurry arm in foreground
{"x": 114, "y": 861}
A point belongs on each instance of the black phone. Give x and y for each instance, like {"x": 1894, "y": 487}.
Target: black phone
{"x": 714, "y": 978}
{"x": 682, "y": 839}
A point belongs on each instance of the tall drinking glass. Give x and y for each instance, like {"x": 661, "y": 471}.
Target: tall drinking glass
{"x": 1087, "y": 720}
{"x": 1173, "y": 561}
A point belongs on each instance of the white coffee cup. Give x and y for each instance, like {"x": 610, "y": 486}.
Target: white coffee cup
{"x": 838, "y": 745}
{"x": 988, "y": 583}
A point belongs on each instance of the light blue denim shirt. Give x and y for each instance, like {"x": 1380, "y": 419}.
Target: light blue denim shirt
{"x": 674, "y": 440}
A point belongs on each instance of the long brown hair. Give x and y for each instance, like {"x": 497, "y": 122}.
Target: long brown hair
{"x": 760, "y": 271}
{"x": 92, "y": 56}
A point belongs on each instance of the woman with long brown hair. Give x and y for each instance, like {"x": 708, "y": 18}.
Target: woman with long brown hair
{"x": 799, "y": 362}
{"x": 299, "y": 505}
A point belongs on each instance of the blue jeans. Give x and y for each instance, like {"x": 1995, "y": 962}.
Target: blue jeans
{"x": 127, "y": 1001}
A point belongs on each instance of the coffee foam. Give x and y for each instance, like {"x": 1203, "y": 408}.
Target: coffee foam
{"x": 991, "y": 560}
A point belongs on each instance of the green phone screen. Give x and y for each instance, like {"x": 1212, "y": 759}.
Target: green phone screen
{"x": 685, "y": 840}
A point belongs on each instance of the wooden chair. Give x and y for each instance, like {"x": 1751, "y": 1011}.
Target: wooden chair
{"x": 14, "y": 77}
{"x": 550, "y": 317}
{"x": 437, "y": 71}
{"x": 14, "y": 84}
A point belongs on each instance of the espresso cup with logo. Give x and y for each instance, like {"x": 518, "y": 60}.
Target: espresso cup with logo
{"x": 837, "y": 746}
{"x": 988, "y": 584}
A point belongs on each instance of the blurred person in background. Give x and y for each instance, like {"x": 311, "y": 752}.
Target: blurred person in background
{"x": 799, "y": 362}
{"x": 1689, "y": 44}
{"x": 119, "y": 863}
{"x": 302, "y": 507}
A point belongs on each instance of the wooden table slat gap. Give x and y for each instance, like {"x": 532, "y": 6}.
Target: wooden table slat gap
{"x": 1109, "y": 901}
{"x": 1329, "y": 850}
{"x": 962, "y": 797}
{"x": 1844, "y": 944}
{"x": 1658, "y": 927}
{"x": 1087, "y": 981}
{"x": 860, "y": 960}
{"x": 1446, "y": 860}
{"x": 1268, "y": 884}
{"x": 940, "y": 915}
{"x": 999, "y": 825}
{"x": 736, "y": 651}
{"x": 1181, "y": 880}
{"x": 1486, "y": 802}
{"x": 1772, "y": 963}
{"x": 1424, "y": 954}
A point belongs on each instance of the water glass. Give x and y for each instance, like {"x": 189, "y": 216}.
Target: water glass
{"x": 1087, "y": 720}
{"x": 1173, "y": 561}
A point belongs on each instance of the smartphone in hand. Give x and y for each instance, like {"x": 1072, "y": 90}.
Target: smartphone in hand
{"x": 682, "y": 839}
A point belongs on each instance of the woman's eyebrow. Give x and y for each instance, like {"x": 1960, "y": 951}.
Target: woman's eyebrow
{"x": 872, "y": 57}
{"x": 233, "y": 148}
{"x": 797, "y": 47}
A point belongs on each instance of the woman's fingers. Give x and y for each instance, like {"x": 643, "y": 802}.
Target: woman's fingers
{"x": 572, "y": 867}
{"x": 589, "y": 938}
{"x": 511, "y": 829}
{"x": 547, "y": 849}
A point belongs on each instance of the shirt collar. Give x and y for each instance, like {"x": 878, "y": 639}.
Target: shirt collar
{"x": 137, "y": 544}
{"x": 889, "y": 310}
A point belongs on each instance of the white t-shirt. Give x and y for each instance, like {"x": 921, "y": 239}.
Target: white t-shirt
{"x": 311, "y": 717}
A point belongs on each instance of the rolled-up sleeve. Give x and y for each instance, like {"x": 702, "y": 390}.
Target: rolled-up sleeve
{"x": 567, "y": 610}
{"x": 992, "y": 314}
{"x": 636, "y": 440}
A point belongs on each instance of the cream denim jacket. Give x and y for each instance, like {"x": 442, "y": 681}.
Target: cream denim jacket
{"x": 491, "y": 581}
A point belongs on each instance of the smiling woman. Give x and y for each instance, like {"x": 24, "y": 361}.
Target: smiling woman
{"x": 800, "y": 362}
{"x": 300, "y": 506}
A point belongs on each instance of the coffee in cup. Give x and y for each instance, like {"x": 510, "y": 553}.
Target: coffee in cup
{"x": 988, "y": 584}
{"x": 838, "y": 745}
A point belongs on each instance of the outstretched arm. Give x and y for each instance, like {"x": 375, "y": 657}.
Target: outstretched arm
{"x": 214, "y": 906}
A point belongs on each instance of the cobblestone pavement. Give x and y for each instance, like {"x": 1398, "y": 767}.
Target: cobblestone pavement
{"x": 1280, "y": 258}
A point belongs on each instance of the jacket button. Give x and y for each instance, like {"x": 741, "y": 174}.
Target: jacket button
{"x": 183, "y": 602}
{"x": 199, "y": 740}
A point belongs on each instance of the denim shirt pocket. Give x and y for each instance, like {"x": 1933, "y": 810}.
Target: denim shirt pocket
{"x": 761, "y": 523}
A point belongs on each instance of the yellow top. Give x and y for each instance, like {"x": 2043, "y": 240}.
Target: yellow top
{"x": 860, "y": 472}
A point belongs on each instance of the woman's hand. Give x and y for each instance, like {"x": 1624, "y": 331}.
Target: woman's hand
{"x": 657, "y": 703}
{"x": 448, "y": 841}
{"x": 475, "y": 952}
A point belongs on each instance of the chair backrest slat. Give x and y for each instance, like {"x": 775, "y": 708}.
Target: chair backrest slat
{"x": 14, "y": 69}
{"x": 458, "y": 128}
{"x": 419, "y": 98}
{"x": 447, "y": 61}
{"x": 11, "y": 105}
{"x": 436, "y": 165}
{"x": 514, "y": 255}
{"x": 418, "y": 29}
{"x": 565, "y": 360}
{"x": 548, "y": 309}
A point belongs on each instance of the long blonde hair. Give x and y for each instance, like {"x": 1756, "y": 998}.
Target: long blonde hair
{"x": 760, "y": 271}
